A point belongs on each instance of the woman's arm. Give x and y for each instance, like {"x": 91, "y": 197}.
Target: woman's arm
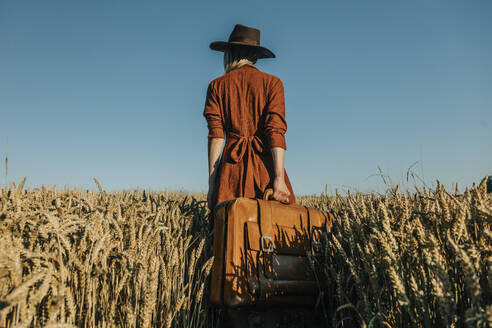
{"x": 213, "y": 115}
{"x": 275, "y": 128}
{"x": 280, "y": 190}
{"x": 214, "y": 148}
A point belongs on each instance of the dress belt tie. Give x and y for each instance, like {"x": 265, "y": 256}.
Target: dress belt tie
{"x": 242, "y": 143}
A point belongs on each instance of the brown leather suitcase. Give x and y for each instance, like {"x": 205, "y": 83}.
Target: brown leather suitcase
{"x": 261, "y": 252}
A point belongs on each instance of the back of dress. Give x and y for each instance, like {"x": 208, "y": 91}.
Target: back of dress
{"x": 247, "y": 107}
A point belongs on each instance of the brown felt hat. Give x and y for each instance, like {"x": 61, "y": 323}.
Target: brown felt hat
{"x": 244, "y": 36}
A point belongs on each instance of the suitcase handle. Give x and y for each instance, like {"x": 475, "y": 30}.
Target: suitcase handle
{"x": 268, "y": 194}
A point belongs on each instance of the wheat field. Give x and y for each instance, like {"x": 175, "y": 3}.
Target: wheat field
{"x": 74, "y": 258}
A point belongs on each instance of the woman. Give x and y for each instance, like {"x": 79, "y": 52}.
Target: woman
{"x": 246, "y": 108}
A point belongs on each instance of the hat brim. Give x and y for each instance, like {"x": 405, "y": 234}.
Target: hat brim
{"x": 261, "y": 52}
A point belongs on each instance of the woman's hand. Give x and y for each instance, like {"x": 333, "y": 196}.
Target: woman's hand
{"x": 280, "y": 190}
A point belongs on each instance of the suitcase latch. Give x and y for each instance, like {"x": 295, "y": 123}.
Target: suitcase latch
{"x": 266, "y": 247}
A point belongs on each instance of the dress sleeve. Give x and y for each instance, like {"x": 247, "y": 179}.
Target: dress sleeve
{"x": 213, "y": 114}
{"x": 275, "y": 124}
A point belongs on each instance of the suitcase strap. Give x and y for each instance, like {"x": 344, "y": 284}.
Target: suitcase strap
{"x": 266, "y": 227}
{"x": 267, "y": 279}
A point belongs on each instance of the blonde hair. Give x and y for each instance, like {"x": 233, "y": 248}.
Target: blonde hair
{"x": 237, "y": 56}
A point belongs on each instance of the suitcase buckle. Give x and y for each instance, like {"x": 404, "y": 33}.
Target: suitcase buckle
{"x": 264, "y": 248}
{"x": 316, "y": 248}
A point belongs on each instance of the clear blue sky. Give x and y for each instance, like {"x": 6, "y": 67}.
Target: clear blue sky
{"x": 115, "y": 89}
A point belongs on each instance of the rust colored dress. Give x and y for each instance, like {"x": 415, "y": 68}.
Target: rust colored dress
{"x": 247, "y": 108}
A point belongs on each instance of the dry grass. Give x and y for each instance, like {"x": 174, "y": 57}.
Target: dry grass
{"x": 133, "y": 259}
{"x": 141, "y": 259}
{"x": 408, "y": 260}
